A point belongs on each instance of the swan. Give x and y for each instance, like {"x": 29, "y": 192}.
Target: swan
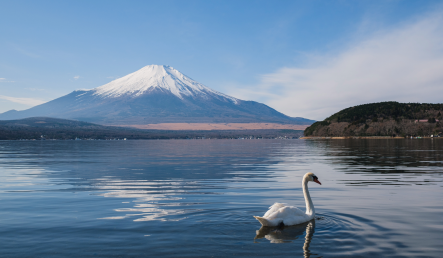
{"x": 280, "y": 214}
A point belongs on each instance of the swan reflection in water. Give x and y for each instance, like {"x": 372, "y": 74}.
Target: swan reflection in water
{"x": 286, "y": 234}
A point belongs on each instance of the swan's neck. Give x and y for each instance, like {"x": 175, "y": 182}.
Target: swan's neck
{"x": 309, "y": 205}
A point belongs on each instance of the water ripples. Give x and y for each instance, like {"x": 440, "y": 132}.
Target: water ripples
{"x": 198, "y": 198}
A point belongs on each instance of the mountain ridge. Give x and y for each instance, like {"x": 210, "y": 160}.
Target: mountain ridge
{"x": 41, "y": 128}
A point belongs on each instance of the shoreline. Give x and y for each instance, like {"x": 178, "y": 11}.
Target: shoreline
{"x": 216, "y": 126}
{"x": 362, "y": 137}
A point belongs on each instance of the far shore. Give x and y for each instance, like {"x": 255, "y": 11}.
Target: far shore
{"x": 217, "y": 126}
{"x": 365, "y": 137}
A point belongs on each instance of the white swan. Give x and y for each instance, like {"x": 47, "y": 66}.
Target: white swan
{"x": 288, "y": 215}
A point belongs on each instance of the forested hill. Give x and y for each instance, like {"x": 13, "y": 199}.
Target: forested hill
{"x": 382, "y": 119}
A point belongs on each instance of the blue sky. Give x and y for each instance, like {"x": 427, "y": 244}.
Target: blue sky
{"x": 304, "y": 58}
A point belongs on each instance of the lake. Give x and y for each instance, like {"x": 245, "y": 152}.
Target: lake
{"x": 197, "y": 198}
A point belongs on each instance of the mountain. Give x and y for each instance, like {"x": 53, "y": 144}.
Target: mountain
{"x": 154, "y": 94}
{"x": 382, "y": 119}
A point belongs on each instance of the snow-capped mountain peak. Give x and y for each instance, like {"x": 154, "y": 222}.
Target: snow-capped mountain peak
{"x": 155, "y": 76}
{"x": 154, "y": 94}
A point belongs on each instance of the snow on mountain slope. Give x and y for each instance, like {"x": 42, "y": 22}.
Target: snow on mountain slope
{"x": 156, "y": 76}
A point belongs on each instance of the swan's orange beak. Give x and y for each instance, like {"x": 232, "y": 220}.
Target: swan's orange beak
{"x": 316, "y": 180}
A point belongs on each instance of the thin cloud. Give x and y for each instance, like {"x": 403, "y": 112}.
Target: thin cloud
{"x": 24, "y": 101}
{"x": 76, "y": 77}
{"x": 403, "y": 64}
{"x": 4, "y": 80}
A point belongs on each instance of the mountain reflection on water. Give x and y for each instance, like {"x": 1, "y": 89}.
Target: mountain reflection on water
{"x": 197, "y": 198}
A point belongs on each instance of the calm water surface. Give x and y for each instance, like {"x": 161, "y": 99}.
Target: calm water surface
{"x": 196, "y": 198}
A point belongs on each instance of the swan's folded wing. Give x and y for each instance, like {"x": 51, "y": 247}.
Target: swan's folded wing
{"x": 287, "y": 212}
{"x": 289, "y": 215}
{"x": 275, "y": 207}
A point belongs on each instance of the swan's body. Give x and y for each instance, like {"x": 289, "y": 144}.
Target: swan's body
{"x": 290, "y": 215}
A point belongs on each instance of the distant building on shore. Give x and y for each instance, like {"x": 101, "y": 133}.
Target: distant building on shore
{"x": 424, "y": 121}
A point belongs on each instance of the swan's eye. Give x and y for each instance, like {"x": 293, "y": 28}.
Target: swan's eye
{"x": 315, "y": 178}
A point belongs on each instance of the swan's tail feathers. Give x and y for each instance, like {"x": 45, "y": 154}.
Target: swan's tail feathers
{"x": 264, "y": 222}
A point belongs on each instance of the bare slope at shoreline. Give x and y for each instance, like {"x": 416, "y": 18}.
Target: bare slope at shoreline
{"x": 217, "y": 126}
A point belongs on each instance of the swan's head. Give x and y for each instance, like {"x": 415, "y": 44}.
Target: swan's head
{"x": 311, "y": 177}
